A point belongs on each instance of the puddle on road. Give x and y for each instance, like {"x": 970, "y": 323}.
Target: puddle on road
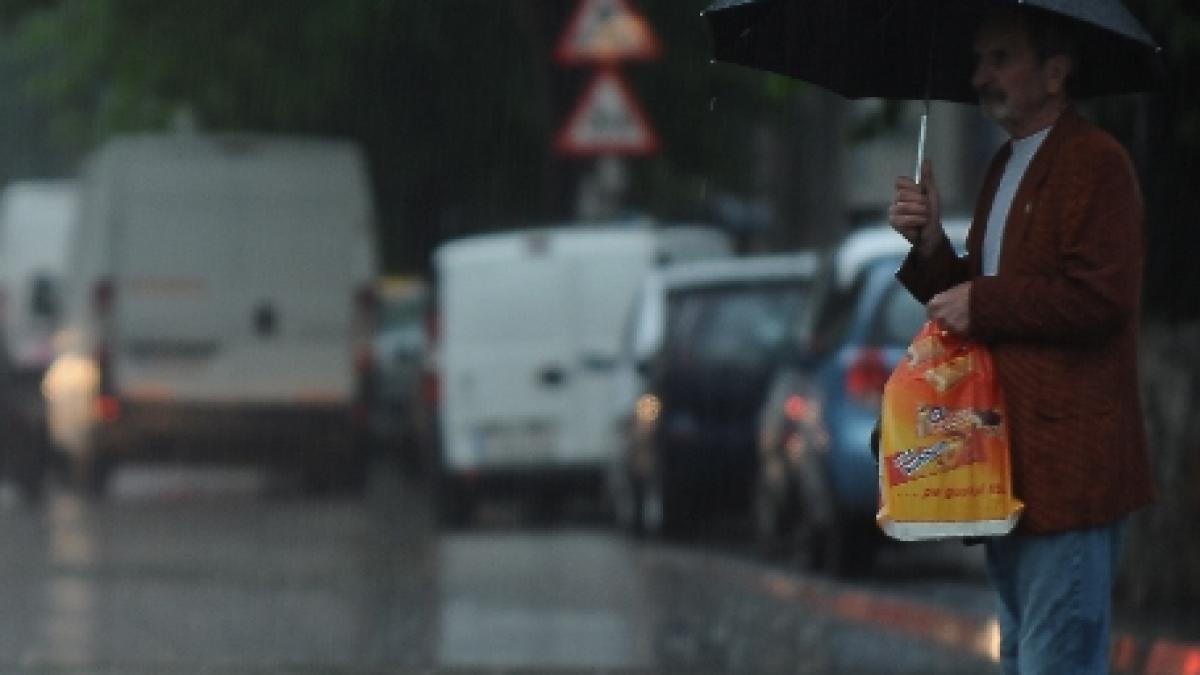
{"x": 539, "y": 600}
{"x": 136, "y": 483}
{"x": 510, "y": 637}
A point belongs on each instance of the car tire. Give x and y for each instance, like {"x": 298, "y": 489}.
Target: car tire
{"x": 773, "y": 518}
{"x": 666, "y": 503}
{"x": 29, "y": 462}
{"x": 454, "y": 506}
{"x": 826, "y": 540}
{"x": 817, "y": 536}
{"x": 628, "y": 502}
{"x": 31, "y": 479}
{"x": 92, "y": 475}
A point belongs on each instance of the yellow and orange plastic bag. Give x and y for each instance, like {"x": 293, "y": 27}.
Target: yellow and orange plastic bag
{"x": 944, "y": 455}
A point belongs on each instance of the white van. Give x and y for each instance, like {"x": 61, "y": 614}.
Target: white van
{"x": 218, "y": 306}
{"x": 36, "y": 219}
{"x": 530, "y": 326}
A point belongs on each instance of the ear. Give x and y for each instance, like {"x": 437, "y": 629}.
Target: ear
{"x": 1057, "y": 69}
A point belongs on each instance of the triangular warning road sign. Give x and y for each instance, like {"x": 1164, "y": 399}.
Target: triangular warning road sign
{"x": 607, "y": 120}
{"x": 607, "y": 31}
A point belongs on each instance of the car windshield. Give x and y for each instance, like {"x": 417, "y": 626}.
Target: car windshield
{"x": 744, "y": 325}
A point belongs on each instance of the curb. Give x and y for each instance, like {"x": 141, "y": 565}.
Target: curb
{"x": 966, "y": 633}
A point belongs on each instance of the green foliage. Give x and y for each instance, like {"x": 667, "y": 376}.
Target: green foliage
{"x": 456, "y": 101}
{"x": 1165, "y": 137}
{"x": 131, "y": 63}
{"x": 705, "y": 112}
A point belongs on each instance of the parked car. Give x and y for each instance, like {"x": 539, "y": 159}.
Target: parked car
{"x": 398, "y": 350}
{"x": 641, "y": 342}
{"x": 217, "y": 307}
{"x": 424, "y": 401}
{"x": 817, "y": 493}
{"x": 528, "y": 330}
{"x": 689, "y": 452}
{"x": 36, "y": 223}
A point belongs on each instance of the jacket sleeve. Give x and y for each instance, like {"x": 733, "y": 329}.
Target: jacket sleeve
{"x": 926, "y": 277}
{"x": 1091, "y": 290}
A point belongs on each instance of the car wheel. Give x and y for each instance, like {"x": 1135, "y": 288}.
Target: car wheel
{"x": 453, "y": 505}
{"x": 827, "y": 540}
{"x": 29, "y": 464}
{"x": 627, "y": 503}
{"x": 666, "y": 504}
{"x": 31, "y": 479}
{"x": 818, "y": 532}
{"x": 813, "y": 535}
{"x": 93, "y": 475}
{"x": 772, "y": 519}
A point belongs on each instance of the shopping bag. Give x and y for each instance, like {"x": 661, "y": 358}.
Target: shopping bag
{"x": 944, "y": 468}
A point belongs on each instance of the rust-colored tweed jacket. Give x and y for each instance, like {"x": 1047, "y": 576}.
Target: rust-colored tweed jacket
{"x": 1061, "y": 317}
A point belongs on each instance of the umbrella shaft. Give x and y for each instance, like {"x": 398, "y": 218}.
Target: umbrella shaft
{"x": 921, "y": 146}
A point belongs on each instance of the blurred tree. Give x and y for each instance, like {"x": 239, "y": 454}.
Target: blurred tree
{"x": 456, "y": 101}
{"x": 1164, "y": 133}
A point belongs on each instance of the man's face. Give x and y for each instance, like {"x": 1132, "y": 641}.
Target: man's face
{"x": 1015, "y": 89}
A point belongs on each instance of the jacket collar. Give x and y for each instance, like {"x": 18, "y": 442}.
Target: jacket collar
{"x": 1023, "y": 203}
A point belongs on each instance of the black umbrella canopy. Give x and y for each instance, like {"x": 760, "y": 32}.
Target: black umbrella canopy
{"x": 914, "y": 49}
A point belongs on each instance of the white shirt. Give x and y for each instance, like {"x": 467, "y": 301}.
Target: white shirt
{"x": 1023, "y": 150}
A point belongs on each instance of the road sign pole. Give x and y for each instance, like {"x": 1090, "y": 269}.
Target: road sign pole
{"x": 608, "y": 123}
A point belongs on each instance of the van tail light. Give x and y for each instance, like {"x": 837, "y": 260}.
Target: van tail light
{"x": 865, "y": 377}
{"x": 107, "y": 408}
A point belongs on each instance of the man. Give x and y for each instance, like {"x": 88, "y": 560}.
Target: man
{"x": 1051, "y": 283}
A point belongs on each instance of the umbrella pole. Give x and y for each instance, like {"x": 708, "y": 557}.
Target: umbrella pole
{"x": 921, "y": 143}
{"x": 922, "y": 136}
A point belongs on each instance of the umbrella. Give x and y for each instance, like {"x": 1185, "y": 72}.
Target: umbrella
{"x": 918, "y": 49}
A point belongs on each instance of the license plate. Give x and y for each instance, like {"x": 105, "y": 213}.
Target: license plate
{"x": 517, "y": 442}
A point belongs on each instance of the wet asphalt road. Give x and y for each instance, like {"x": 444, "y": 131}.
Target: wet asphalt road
{"x": 215, "y": 571}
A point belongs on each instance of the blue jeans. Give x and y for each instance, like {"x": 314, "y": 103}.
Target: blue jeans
{"x": 1055, "y": 599}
